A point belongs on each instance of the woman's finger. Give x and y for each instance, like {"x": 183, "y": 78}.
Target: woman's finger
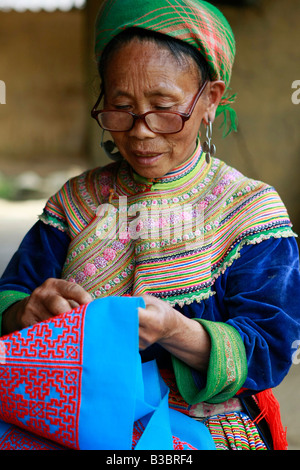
{"x": 70, "y": 290}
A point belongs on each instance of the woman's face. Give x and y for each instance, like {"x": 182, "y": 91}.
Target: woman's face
{"x": 141, "y": 77}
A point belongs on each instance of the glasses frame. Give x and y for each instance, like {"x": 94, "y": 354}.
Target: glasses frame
{"x": 184, "y": 116}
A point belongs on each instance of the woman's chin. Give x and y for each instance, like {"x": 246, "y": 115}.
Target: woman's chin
{"x": 149, "y": 166}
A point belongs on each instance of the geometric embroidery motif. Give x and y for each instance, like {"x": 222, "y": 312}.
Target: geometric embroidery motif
{"x": 42, "y": 384}
{"x": 139, "y": 428}
{"x": 178, "y": 444}
{"x": 16, "y": 439}
{"x": 60, "y": 341}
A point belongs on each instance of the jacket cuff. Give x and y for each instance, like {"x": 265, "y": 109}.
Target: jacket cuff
{"x": 227, "y": 369}
{"x": 7, "y": 299}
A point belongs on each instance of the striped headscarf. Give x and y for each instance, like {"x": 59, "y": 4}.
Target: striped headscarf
{"x": 196, "y": 22}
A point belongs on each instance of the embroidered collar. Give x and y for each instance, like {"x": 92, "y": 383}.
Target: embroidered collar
{"x": 180, "y": 180}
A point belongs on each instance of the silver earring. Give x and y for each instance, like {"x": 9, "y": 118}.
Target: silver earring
{"x": 208, "y": 147}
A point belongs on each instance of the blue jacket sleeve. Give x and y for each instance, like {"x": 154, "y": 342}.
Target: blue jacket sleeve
{"x": 259, "y": 295}
{"x": 262, "y": 301}
{"x": 41, "y": 255}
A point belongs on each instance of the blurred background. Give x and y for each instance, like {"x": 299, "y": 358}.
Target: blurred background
{"x": 48, "y": 84}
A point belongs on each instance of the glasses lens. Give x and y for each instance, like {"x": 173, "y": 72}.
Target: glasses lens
{"x": 119, "y": 121}
{"x": 164, "y": 122}
{"x": 115, "y": 121}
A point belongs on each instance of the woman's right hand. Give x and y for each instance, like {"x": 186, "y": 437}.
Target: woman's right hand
{"x": 53, "y": 297}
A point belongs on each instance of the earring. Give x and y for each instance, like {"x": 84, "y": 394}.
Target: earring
{"x": 208, "y": 147}
{"x": 108, "y": 148}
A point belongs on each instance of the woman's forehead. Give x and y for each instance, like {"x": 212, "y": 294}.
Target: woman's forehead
{"x": 146, "y": 61}
{"x": 137, "y": 51}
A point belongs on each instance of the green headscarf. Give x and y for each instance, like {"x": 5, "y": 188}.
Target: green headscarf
{"x": 196, "y": 22}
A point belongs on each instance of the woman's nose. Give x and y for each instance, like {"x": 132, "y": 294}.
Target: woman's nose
{"x": 140, "y": 130}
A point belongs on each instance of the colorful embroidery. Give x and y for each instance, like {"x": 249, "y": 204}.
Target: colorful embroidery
{"x": 180, "y": 233}
{"x": 229, "y": 426}
{"x": 234, "y": 431}
{"x": 181, "y": 445}
{"x": 14, "y": 438}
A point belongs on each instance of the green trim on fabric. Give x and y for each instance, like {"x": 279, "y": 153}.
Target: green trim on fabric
{"x": 227, "y": 369}
{"x": 54, "y": 222}
{"x": 7, "y": 299}
{"x": 234, "y": 253}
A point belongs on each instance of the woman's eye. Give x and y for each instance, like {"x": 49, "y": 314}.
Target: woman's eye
{"x": 163, "y": 108}
{"x": 122, "y": 106}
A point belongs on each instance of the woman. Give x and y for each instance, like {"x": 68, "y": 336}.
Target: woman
{"x": 211, "y": 252}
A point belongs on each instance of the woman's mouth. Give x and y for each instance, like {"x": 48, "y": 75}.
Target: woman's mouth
{"x": 146, "y": 158}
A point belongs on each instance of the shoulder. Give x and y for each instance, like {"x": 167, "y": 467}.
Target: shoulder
{"x": 75, "y": 204}
{"x": 243, "y": 193}
{"x": 235, "y": 179}
{"x": 244, "y": 212}
{"x": 89, "y": 180}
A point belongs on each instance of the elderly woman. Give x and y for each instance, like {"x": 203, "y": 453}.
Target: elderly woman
{"x": 211, "y": 252}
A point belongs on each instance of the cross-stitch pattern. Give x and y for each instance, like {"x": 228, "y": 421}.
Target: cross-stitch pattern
{"x": 40, "y": 397}
{"x": 17, "y": 439}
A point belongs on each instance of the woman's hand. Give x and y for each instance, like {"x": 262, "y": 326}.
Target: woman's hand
{"x": 53, "y": 297}
{"x": 181, "y": 336}
{"x": 156, "y": 322}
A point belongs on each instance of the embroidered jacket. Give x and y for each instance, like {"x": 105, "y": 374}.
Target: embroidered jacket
{"x": 233, "y": 271}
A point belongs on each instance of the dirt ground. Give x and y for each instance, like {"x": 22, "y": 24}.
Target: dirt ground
{"x": 17, "y": 218}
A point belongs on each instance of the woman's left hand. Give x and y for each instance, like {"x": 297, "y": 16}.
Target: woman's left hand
{"x": 181, "y": 336}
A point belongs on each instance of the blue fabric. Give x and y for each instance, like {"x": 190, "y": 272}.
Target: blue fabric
{"x": 259, "y": 295}
{"x": 113, "y": 323}
{"x": 55, "y": 374}
{"x": 164, "y": 422}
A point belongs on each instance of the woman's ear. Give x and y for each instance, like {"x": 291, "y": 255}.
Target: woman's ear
{"x": 215, "y": 92}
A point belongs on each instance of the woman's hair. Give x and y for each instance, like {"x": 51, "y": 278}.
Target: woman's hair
{"x": 179, "y": 49}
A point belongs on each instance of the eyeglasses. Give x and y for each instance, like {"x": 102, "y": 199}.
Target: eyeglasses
{"x": 159, "y": 122}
